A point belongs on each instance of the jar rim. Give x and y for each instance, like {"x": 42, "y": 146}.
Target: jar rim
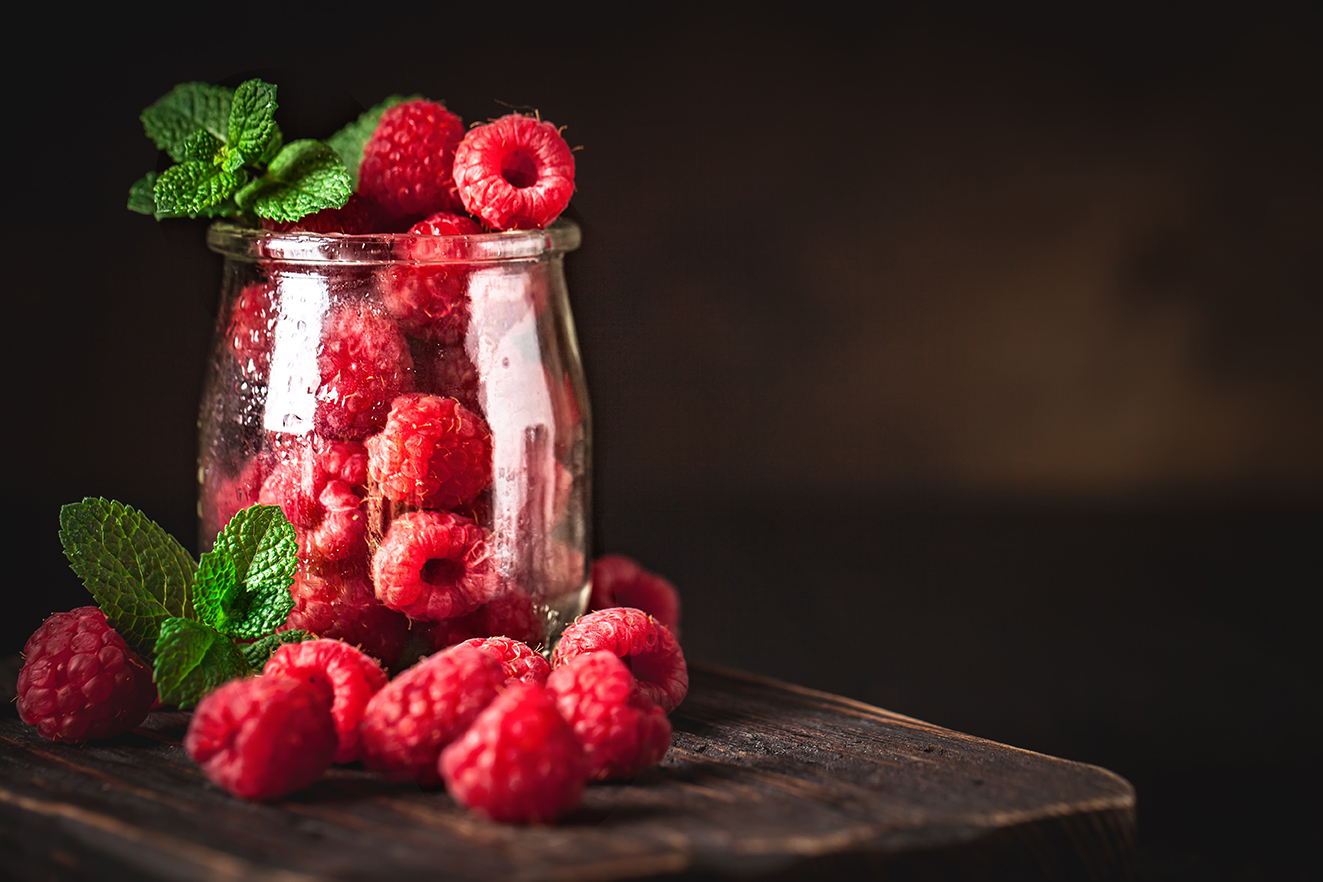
{"x": 243, "y": 243}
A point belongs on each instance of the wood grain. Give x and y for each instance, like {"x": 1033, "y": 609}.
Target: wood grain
{"x": 763, "y": 779}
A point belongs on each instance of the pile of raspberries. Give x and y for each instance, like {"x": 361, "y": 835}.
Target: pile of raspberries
{"x": 507, "y": 733}
{"x": 390, "y": 493}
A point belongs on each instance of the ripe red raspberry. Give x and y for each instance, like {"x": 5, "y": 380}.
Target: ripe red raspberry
{"x": 425, "y": 708}
{"x": 620, "y": 581}
{"x": 248, "y": 334}
{"x": 343, "y": 606}
{"x": 352, "y": 677}
{"x": 320, "y": 486}
{"x": 446, "y": 371}
{"x": 510, "y": 613}
{"x": 364, "y": 363}
{"x": 431, "y": 300}
{"x": 434, "y": 565}
{"x": 433, "y": 453}
{"x": 407, "y": 162}
{"x": 80, "y": 680}
{"x": 355, "y": 217}
{"x": 516, "y": 173}
{"x": 622, "y": 733}
{"x": 519, "y": 762}
{"x": 521, "y": 663}
{"x": 647, "y": 648}
{"x": 263, "y": 737}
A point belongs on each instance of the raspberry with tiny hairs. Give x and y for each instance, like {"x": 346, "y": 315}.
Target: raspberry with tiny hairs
{"x": 352, "y": 677}
{"x": 408, "y": 162}
{"x": 647, "y": 648}
{"x": 364, "y": 363}
{"x": 521, "y": 663}
{"x": 519, "y": 762}
{"x": 81, "y": 681}
{"x": 516, "y": 173}
{"x": 433, "y": 453}
{"x": 434, "y": 565}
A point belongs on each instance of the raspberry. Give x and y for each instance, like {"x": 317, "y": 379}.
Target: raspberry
{"x": 407, "y": 162}
{"x": 263, "y": 737}
{"x": 516, "y": 173}
{"x": 647, "y": 648}
{"x": 446, "y": 371}
{"x": 355, "y": 217}
{"x": 81, "y": 681}
{"x": 620, "y": 581}
{"x": 521, "y": 663}
{"x": 433, "y": 453}
{"x": 434, "y": 565}
{"x": 249, "y": 331}
{"x": 342, "y": 606}
{"x": 518, "y": 762}
{"x": 352, "y": 677}
{"x": 320, "y": 486}
{"x": 622, "y": 732}
{"x": 364, "y": 363}
{"x": 430, "y": 300}
{"x": 425, "y": 708}
{"x": 509, "y": 614}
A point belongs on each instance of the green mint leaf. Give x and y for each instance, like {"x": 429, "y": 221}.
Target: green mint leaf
{"x": 305, "y": 177}
{"x": 252, "y": 122}
{"x": 135, "y": 571}
{"x": 202, "y": 147}
{"x": 191, "y": 188}
{"x": 259, "y": 653}
{"x": 140, "y": 194}
{"x": 348, "y": 142}
{"x": 188, "y": 108}
{"x": 192, "y": 659}
{"x": 251, "y": 598}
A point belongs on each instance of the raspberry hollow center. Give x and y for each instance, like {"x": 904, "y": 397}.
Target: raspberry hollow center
{"x": 440, "y": 572}
{"x": 519, "y": 169}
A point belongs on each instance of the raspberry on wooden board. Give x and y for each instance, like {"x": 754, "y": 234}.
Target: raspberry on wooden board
{"x": 519, "y": 761}
{"x": 520, "y": 661}
{"x": 352, "y": 677}
{"x": 264, "y": 737}
{"x": 516, "y": 173}
{"x": 81, "y": 681}
{"x": 620, "y": 581}
{"x": 647, "y": 648}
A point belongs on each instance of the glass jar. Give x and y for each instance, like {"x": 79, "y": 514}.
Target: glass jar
{"x": 416, "y": 406}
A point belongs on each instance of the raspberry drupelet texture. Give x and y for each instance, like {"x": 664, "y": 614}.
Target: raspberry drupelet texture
{"x": 249, "y": 331}
{"x": 516, "y": 173}
{"x": 446, "y": 371}
{"x": 433, "y": 453}
{"x": 647, "y": 648}
{"x": 343, "y": 606}
{"x": 81, "y": 681}
{"x": 620, "y": 581}
{"x": 320, "y": 486}
{"x": 519, "y": 762}
{"x": 407, "y": 723}
{"x": 622, "y": 732}
{"x": 521, "y": 663}
{"x": 364, "y": 363}
{"x": 352, "y": 677}
{"x": 430, "y": 300}
{"x": 434, "y": 565}
{"x": 408, "y": 161}
{"x": 263, "y": 737}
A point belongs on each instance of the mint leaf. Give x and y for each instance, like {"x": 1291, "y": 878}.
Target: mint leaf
{"x": 305, "y": 177}
{"x": 192, "y": 659}
{"x": 135, "y": 571}
{"x": 252, "y": 123}
{"x": 348, "y": 143}
{"x": 202, "y": 147}
{"x": 259, "y": 653}
{"x": 243, "y": 584}
{"x": 192, "y": 188}
{"x": 185, "y": 109}
{"x": 140, "y": 194}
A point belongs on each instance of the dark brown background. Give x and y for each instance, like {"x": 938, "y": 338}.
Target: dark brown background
{"x": 963, "y": 363}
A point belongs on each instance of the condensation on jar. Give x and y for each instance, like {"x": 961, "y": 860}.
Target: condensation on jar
{"x": 416, "y": 406}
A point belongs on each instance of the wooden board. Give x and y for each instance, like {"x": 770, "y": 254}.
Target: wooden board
{"x": 763, "y": 779}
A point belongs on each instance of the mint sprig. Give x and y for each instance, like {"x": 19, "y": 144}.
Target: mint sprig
{"x": 231, "y": 159}
{"x": 186, "y": 616}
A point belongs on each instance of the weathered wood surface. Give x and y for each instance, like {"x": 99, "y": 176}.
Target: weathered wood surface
{"x": 763, "y": 779}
